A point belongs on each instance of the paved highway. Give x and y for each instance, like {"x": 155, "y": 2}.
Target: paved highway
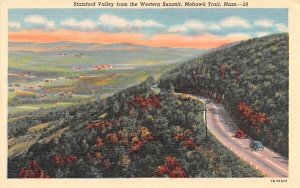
{"x": 219, "y": 123}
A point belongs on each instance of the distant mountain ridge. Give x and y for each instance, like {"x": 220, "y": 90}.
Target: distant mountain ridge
{"x": 65, "y": 46}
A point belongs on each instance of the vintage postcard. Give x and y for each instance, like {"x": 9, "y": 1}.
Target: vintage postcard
{"x": 149, "y": 93}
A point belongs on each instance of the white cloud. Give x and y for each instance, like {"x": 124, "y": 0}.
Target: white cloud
{"x": 261, "y": 34}
{"x": 194, "y": 25}
{"x": 40, "y": 21}
{"x": 199, "y": 26}
{"x": 214, "y": 26}
{"x": 235, "y": 21}
{"x": 14, "y": 25}
{"x": 281, "y": 27}
{"x": 266, "y": 23}
{"x": 85, "y": 24}
{"x": 113, "y": 21}
{"x": 187, "y": 26}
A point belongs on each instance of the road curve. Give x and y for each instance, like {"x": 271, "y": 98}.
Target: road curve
{"x": 219, "y": 123}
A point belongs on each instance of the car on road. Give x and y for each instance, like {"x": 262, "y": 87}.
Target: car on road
{"x": 256, "y": 145}
{"x": 240, "y": 134}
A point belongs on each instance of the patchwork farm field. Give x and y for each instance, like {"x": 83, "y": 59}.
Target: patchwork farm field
{"x": 49, "y": 79}
{"x": 33, "y": 107}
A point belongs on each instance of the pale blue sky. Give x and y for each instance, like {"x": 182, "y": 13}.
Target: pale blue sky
{"x": 252, "y": 22}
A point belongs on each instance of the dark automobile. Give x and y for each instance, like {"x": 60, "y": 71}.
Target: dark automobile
{"x": 256, "y": 145}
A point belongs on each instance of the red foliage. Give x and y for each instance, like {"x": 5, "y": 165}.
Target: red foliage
{"x": 58, "y": 160}
{"x": 152, "y": 101}
{"x": 190, "y": 144}
{"x": 240, "y": 134}
{"x": 149, "y": 137}
{"x": 136, "y": 146}
{"x": 61, "y": 161}
{"x": 137, "y": 139}
{"x": 171, "y": 168}
{"x": 98, "y": 125}
{"x": 70, "y": 158}
{"x": 177, "y": 172}
{"x": 99, "y": 142}
{"x": 248, "y": 114}
{"x": 33, "y": 170}
{"x": 180, "y": 137}
{"x": 161, "y": 170}
{"x": 171, "y": 162}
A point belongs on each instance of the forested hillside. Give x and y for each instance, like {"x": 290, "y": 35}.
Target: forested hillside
{"x": 133, "y": 133}
{"x": 250, "y": 79}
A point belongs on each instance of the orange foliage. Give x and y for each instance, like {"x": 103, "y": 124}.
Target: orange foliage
{"x": 247, "y": 113}
{"x": 189, "y": 143}
{"x": 98, "y": 125}
{"x": 171, "y": 168}
{"x": 112, "y": 137}
{"x": 136, "y": 146}
{"x": 152, "y": 101}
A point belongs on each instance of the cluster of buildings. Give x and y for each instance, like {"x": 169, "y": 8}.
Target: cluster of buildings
{"x": 95, "y": 67}
{"x": 101, "y": 67}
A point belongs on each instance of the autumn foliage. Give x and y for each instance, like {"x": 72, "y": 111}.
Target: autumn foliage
{"x": 248, "y": 114}
{"x": 60, "y": 161}
{"x": 240, "y": 134}
{"x": 138, "y": 139}
{"x": 165, "y": 142}
{"x": 99, "y": 125}
{"x": 184, "y": 137}
{"x": 144, "y": 103}
{"x": 33, "y": 170}
{"x": 171, "y": 168}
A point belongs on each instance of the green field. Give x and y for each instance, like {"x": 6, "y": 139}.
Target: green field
{"x": 35, "y": 107}
{"x": 72, "y": 87}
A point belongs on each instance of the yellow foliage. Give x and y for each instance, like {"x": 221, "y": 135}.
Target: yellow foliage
{"x": 38, "y": 127}
{"x": 124, "y": 161}
{"x": 25, "y": 94}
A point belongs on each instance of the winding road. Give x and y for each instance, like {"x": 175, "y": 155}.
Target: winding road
{"x": 219, "y": 123}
